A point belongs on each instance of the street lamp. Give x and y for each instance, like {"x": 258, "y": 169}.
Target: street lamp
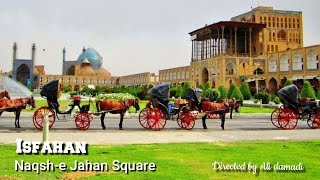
{"x": 257, "y": 87}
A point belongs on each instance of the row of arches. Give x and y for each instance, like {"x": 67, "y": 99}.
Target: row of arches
{"x": 297, "y": 61}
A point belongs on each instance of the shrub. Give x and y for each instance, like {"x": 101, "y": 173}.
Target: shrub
{"x": 173, "y": 91}
{"x": 212, "y": 94}
{"x": 231, "y": 88}
{"x": 288, "y": 82}
{"x": 223, "y": 92}
{"x": 73, "y": 93}
{"x": 66, "y": 88}
{"x": 264, "y": 96}
{"x": 236, "y": 94}
{"x": 307, "y": 91}
{"x": 276, "y": 100}
{"x": 318, "y": 93}
{"x": 256, "y": 101}
{"x": 244, "y": 88}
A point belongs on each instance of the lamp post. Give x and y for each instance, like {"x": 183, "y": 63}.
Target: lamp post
{"x": 257, "y": 86}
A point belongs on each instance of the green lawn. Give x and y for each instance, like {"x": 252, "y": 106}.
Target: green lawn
{"x": 181, "y": 161}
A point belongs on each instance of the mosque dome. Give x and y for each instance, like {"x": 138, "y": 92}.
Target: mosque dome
{"x": 102, "y": 72}
{"x": 86, "y": 69}
{"x": 92, "y": 56}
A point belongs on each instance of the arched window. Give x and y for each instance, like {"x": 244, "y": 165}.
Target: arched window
{"x": 284, "y": 63}
{"x": 272, "y": 65}
{"x": 297, "y": 62}
{"x": 312, "y": 62}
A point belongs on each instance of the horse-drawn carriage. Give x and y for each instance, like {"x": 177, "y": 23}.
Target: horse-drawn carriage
{"x": 156, "y": 113}
{"x": 14, "y": 97}
{"x": 51, "y": 92}
{"x": 294, "y": 108}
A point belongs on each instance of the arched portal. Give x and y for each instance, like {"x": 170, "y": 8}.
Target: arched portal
{"x": 205, "y": 75}
{"x": 273, "y": 85}
{"x": 76, "y": 88}
{"x": 71, "y": 70}
{"x": 23, "y": 74}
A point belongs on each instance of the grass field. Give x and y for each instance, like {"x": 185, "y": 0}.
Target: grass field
{"x": 180, "y": 161}
{"x": 64, "y": 105}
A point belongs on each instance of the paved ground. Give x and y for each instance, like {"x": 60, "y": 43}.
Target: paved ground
{"x": 247, "y": 127}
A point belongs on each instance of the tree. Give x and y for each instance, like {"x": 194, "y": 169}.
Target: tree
{"x": 307, "y": 91}
{"x": 318, "y": 94}
{"x": 206, "y": 86}
{"x": 236, "y": 94}
{"x": 288, "y": 82}
{"x": 223, "y": 92}
{"x": 66, "y": 88}
{"x": 212, "y": 94}
{"x": 231, "y": 88}
{"x": 244, "y": 88}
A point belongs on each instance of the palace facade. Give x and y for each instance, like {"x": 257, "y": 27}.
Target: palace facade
{"x": 263, "y": 47}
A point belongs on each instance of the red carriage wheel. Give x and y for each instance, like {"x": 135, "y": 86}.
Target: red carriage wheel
{"x": 275, "y": 117}
{"x": 40, "y": 114}
{"x": 314, "y": 122}
{"x": 143, "y": 117}
{"x": 157, "y": 119}
{"x": 83, "y": 120}
{"x": 288, "y": 119}
{"x": 179, "y": 119}
{"x": 188, "y": 121}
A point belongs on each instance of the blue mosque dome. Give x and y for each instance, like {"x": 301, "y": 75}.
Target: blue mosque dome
{"x": 92, "y": 56}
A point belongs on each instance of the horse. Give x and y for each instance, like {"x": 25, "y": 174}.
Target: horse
{"x": 115, "y": 107}
{"x": 4, "y": 94}
{"x": 213, "y": 107}
{"x": 234, "y": 104}
{"x": 16, "y": 106}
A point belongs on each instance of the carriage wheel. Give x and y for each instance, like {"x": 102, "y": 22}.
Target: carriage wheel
{"x": 288, "y": 119}
{"x": 40, "y": 114}
{"x": 83, "y": 120}
{"x": 157, "y": 119}
{"x": 275, "y": 117}
{"x": 314, "y": 122}
{"x": 187, "y": 121}
{"x": 181, "y": 116}
{"x": 143, "y": 117}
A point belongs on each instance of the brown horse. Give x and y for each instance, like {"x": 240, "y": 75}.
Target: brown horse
{"x": 16, "y": 106}
{"x": 234, "y": 104}
{"x": 115, "y": 107}
{"x": 4, "y": 94}
{"x": 216, "y": 108}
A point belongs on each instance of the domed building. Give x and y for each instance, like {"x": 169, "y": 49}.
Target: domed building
{"x": 86, "y": 70}
{"x": 92, "y": 56}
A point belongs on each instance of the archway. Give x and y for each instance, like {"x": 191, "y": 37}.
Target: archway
{"x": 273, "y": 85}
{"x": 76, "y": 88}
{"x": 71, "y": 70}
{"x": 23, "y": 74}
{"x": 205, "y": 75}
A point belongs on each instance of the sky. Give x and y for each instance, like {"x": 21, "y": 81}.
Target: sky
{"x": 132, "y": 36}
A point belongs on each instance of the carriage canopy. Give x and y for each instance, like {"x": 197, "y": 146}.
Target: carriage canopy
{"x": 194, "y": 94}
{"x": 51, "y": 90}
{"x": 160, "y": 92}
{"x": 14, "y": 88}
{"x": 289, "y": 94}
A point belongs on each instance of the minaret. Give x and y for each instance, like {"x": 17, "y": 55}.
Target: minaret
{"x": 33, "y": 58}
{"x": 14, "y": 61}
{"x": 64, "y": 71}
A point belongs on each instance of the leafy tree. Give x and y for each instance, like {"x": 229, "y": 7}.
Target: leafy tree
{"x": 307, "y": 91}
{"x": 236, "y": 94}
{"x": 206, "y": 86}
{"x": 223, "y": 92}
{"x": 288, "y": 82}
{"x": 244, "y": 88}
{"x": 66, "y": 88}
{"x": 212, "y": 94}
{"x": 318, "y": 94}
{"x": 231, "y": 88}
